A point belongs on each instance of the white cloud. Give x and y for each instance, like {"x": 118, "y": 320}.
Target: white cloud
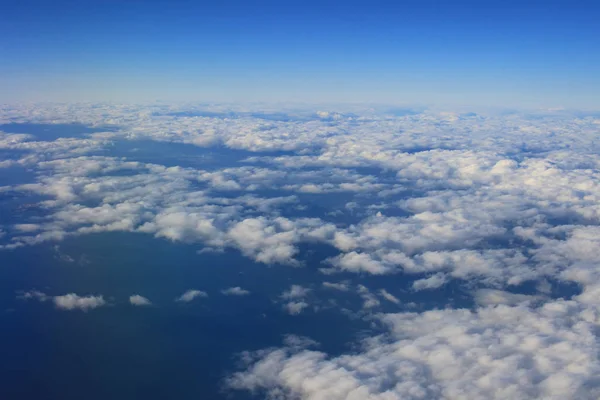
{"x": 492, "y": 353}
{"x": 138, "y": 300}
{"x": 295, "y": 307}
{"x": 488, "y": 297}
{"x": 33, "y": 294}
{"x": 388, "y": 296}
{"x": 67, "y": 302}
{"x": 341, "y": 286}
{"x": 73, "y": 301}
{"x": 295, "y": 298}
{"x": 191, "y": 295}
{"x": 369, "y": 299}
{"x": 490, "y": 202}
{"x": 433, "y": 282}
{"x": 235, "y": 291}
{"x": 295, "y": 292}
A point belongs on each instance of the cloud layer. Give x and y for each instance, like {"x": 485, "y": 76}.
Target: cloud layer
{"x": 501, "y": 208}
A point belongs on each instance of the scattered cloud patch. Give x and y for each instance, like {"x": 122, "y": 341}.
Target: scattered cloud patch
{"x": 295, "y": 307}
{"x": 341, "y": 286}
{"x": 140, "y": 301}
{"x": 66, "y": 302}
{"x": 295, "y": 292}
{"x": 73, "y": 301}
{"x": 388, "y": 296}
{"x": 190, "y": 295}
{"x": 235, "y": 291}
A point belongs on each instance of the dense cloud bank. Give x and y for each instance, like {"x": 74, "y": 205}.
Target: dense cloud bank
{"x": 493, "y": 202}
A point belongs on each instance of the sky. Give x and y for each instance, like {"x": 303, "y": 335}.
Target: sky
{"x": 496, "y": 53}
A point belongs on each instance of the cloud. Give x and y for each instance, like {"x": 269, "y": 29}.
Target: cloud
{"x": 295, "y": 292}
{"x": 295, "y": 307}
{"x": 296, "y": 299}
{"x": 66, "y": 302}
{"x": 341, "y": 286}
{"x": 488, "y": 297}
{"x": 490, "y": 353}
{"x": 369, "y": 299}
{"x": 33, "y": 294}
{"x": 487, "y": 202}
{"x": 235, "y": 291}
{"x": 73, "y": 301}
{"x": 137, "y": 300}
{"x": 433, "y": 282}
{"x": 191, "y": 295}
{"x": 388, "y": 296}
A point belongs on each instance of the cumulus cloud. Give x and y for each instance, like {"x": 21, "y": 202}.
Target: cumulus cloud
{"x": 491, "y": 353}
{"x": 191, "y": 295}
{"x": 369, "y": 299}
{"x": 235, "y": 291}
{"x": 73, "y": 301}
{"x": 433, "y": 282}
{"x": 489, "y": 202}
{"x": 66, "y": 302}
{"x": 137, "y": 300}
{"x": 487, "y": 297}
{"x": 295, "y": 307}
{"x": 295, "y": 292}
{"x": 295, "y": 299}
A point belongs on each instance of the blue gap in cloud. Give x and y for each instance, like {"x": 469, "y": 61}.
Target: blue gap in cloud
{"x": 171, "y": 154}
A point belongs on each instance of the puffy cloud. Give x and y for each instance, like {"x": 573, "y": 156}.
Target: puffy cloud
{"x": 73, "y": 301}
{"x": 295, "y": 307}
{"x": 369, "y": 299}
{"x": 295, "y": 292}
{"x": 191, "y": 295}
{"x": 487, "y": 297}
{"x": 295, "y": 298}
{"x": 341, "y": 286}
{"x": 388, "y": 296}
{"x": 235, "y": 291}
{"x": 137, "y": 300}
{"x": 489, "y": 201}
{"x": 433, "y": 282}
{"x": 67, "y": 302}
{"x": 266, "y": 242}
{"x": 33, "y": 294}
{"x": 491, "y": 353}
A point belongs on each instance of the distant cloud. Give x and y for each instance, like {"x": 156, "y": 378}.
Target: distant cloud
{"x": 295, "y": 307}
{"x": 388, "y": 296}
{"x": 33, "y": 294}
{"x": 490, "y": 297}
{"x": 490, "y": 353}
{"x": 191, "y": 295}
{"x": 490, "y": 202}
{"x": 73, "y": 301}
{"x": 341, "y": 286}
{"x": 433, "y": 282}
{"x": 235, "y": 291}
{"x": 67, "y": 302}
{"x": 295, "y": 292}
{"x": 369, "y": 299}
{"x": 137, "y": 300}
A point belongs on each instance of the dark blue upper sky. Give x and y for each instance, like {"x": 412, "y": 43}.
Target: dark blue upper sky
{"x": 533, "y": 53}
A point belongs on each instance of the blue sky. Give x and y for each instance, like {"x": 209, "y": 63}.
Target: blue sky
{"x": 499, "y": 53}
